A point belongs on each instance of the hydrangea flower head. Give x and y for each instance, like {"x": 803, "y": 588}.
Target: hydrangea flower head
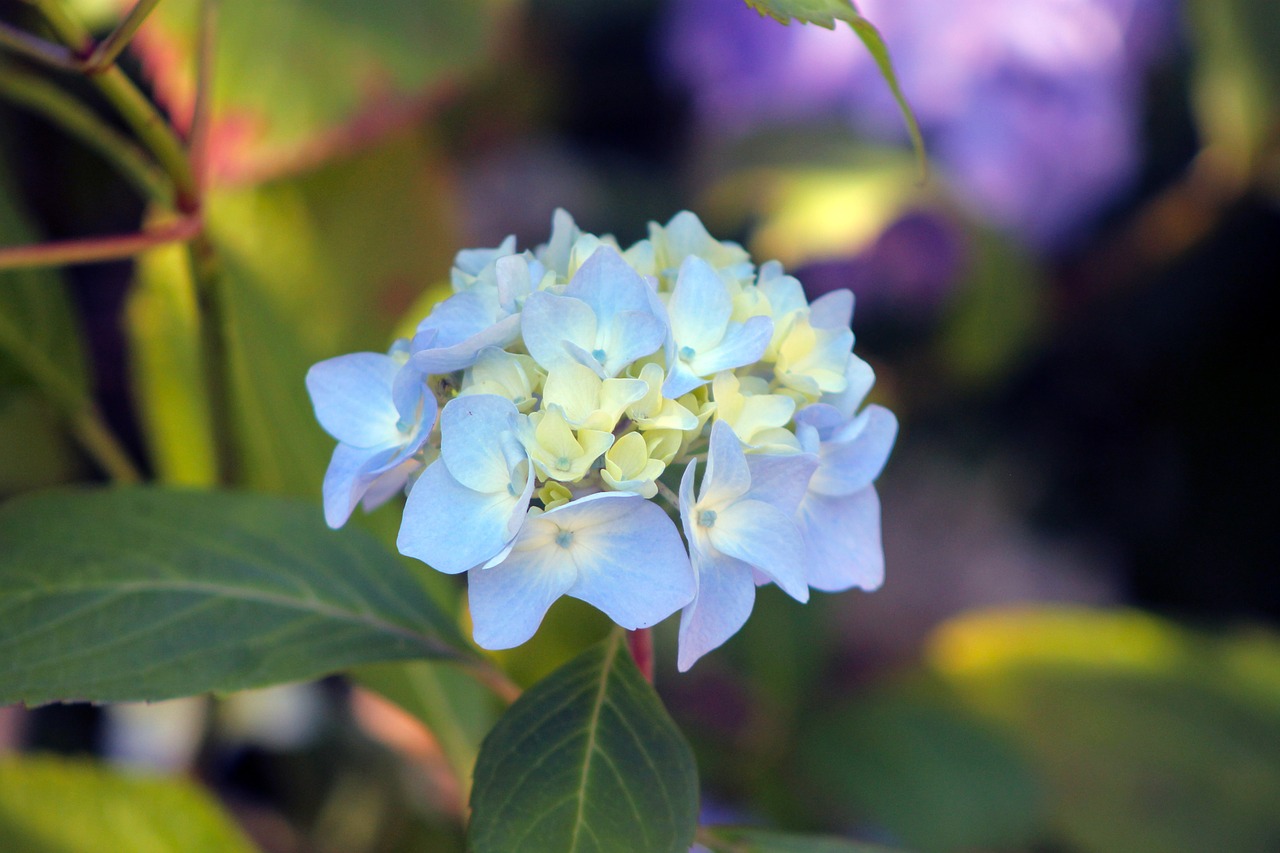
{"x": 653, "y": 429}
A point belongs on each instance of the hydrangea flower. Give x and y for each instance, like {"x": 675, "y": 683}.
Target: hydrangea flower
{"x": 652, "y": 429}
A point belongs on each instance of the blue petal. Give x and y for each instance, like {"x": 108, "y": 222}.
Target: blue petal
{"x": 473, "y": 430}
{"x": 766, "y": 538}
{"x": 432, "y": 357}
{"x": 700, "y": 306}
{"x": 452, "y": 528}
{"x": 857, "y": 453}
{"x": 726, "y": 594}
{"x": 781, "y": 480}
{"x": 609, "y": 285}
{"x": 353, "y": 400}
{"x": 549, "y": 320}
{"x": 629, "y": 558}
{"x": 351, "y": 471}
{"x": 727, "y": 477}
{"x": 509, "y": 600}
{"x": 743, "y": 344}
{"x": 842, "y": 541}
{"x": 833, "y": 310}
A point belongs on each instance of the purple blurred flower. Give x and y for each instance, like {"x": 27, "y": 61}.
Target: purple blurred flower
{"x": 910, "y": 269}
{"x": 1029, "y": 106}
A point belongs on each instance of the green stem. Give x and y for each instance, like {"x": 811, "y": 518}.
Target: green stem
{"x": 43, "y": 97}
{"x": 95, "y": 249}
{"x": 110, "y": 48}
{"x": 141, "y": 115}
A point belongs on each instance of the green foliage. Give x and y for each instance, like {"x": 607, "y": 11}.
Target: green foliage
{"x": 934, "y": 774}
{"x": 50, "y": 805}
{"x": 296, "y": 78}
{"x": 147, "y": 594}
{"x": 825, "y": 13}
{"x": 736, "y": 839}
{"x": 319, "y": 265}
{"x": 1237, "y": 84}
{"x": 39, "y": 349}
{"x": 999, "y": 311}
{"x": 163, "y": 324}
{"x": 454, "y": 707}
{"x": 1150, "y": 737}
{"x": 586, "y": 760}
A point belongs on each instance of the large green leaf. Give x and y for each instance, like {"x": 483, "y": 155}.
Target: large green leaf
{"x": 51, "y": 805}
{"x": 740, "y": 839}
{"x": 1150, "y": 737}
{"x": 825, "y": 13}
{"x": 296, "y": 80}
{"x": 147, "y": 594}
{"x": 586, "y": 760}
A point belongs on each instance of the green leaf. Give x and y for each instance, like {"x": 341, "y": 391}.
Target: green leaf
{"x": 825, "y": 13}
{"x": 932, "y": 772}
{"x": 1150, "y": 737}
{"x": 735, "y": 839}
{"x": 147, "y": 593}
{"x": 586, "y": 760}
{"x": 53, "y": 805}
{"x": 298, "y": 80}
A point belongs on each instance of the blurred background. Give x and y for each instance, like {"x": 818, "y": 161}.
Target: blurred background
{"x": 1075, "y": 646}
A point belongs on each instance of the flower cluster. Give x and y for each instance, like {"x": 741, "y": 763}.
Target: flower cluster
{"x": 550, "y": 416}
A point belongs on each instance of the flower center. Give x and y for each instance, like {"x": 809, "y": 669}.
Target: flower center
{"x": 687, "y": 353}
{"x": 563, "y": 463}
{"x": 564, "y": 538}
{"x": 707, "y": 518}
{"x": 598, "y": 355}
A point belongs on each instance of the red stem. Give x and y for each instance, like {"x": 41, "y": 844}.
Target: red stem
{"x": 93, "y": 249}
{"x": 641, "y": 645}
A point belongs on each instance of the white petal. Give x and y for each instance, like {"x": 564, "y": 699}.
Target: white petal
{"x": 629, "y": 558}
{"x": 549, "y": 320}
{"x": 763, "y": 536}
{"x": 857, "y": 453}
{"x": 472, "y": 444}
{"x": 726, "y": 594}
{"x": 452, "y": 528}
{"x": 842, "y": 541}
{"x": 352, "y": 398}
